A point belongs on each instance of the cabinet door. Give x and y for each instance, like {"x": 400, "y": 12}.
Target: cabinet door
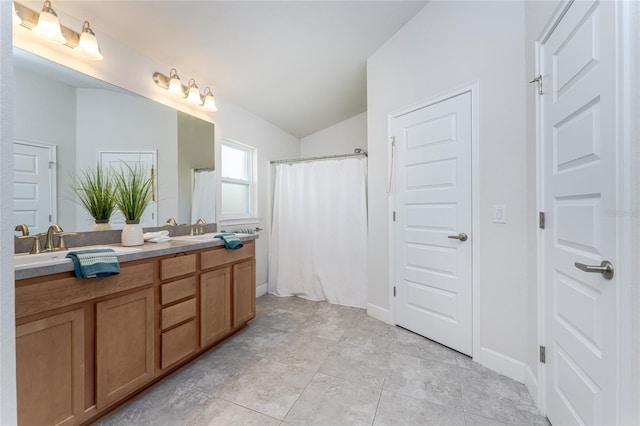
{"x": 50, "y": 369}
{"x": 215, "y": 305}
{"x": 124, "y": 345}
{"x": 244, "y": 292}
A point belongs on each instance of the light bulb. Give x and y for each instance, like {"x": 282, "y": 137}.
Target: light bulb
{"x": 209, "y": 101}
{"x": 175, "y": 86}
{"x": 88, "y": 44}
{"x": 193, "y": 95}
{"x": 16, "y": 18}
{"x": 48, "y": 25}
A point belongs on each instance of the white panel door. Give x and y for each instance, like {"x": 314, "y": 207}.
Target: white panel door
{"x": 579, "y": 188}
{"x": 147, "y": 160}
{"x": 34, "y": 186}
{"x": 433, "y": 203}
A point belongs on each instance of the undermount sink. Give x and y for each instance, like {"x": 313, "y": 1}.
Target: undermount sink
{"x": 203, "y": 237}
{"x": 25, "y": 260}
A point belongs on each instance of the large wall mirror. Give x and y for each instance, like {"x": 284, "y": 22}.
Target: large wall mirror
{"x": 65, "y": 120}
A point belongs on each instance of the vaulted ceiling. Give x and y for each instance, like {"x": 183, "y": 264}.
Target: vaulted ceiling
{"x": 300, "y": 65}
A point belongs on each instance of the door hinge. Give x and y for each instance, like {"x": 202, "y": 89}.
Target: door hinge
{"x": 538, "y": 79}
{"x": 393, "y": 141}
{"x": 541, "y": 220}
{"x": 394, "y": 216}
{"x": 543, "y": 354}
{"x": 51, "y": 163}
{"x": 50, "y": 218}
{"x": 394, "y": 291}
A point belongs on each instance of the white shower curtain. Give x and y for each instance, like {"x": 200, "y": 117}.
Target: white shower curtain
{"x": 319, "y": 232}
{"x": 203, "y": 200}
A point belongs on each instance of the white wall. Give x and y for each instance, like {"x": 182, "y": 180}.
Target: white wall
{"x": 445, "y": 46}
{"x": 8, "y": 412}
{"x": 142, "y": 125}
{"x": 236, "y": 124}
{"x": 341, "y": 138}
{"x": 45, "y": 112}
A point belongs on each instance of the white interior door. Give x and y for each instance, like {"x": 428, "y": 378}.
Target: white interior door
{"x": 433, "y": 271}
{"x": 579, "y": 187}
{"x": 34, "y": 185}
{"x": 146, "y": 159}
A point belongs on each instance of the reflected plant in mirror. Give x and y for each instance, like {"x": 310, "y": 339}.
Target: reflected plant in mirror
{"x": 133, "y": 192}
{"x": 95, "y": 191}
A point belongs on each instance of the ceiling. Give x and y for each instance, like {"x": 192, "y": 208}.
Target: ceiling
{"x": 300, "y": 65}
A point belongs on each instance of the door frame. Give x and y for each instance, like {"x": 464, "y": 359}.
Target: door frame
{"x": 473, "y": 88}
{"x": 626, "y": 69}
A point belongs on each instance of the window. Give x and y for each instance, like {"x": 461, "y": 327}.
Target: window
{"x": 238, "y": 180}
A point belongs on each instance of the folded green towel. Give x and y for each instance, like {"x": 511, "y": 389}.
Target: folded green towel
{"x": 231, "y": 241}
{"x": 95, "y": 263}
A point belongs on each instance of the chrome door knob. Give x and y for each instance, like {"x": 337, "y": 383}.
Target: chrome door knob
{"x": 605, "y": 268}
{"x": 461, "y": 236}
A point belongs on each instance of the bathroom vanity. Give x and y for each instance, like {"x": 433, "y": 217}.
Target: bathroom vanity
{"x": 84, "y": 346}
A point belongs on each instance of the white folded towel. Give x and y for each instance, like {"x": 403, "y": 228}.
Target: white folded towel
{"x": 156, "y": 237}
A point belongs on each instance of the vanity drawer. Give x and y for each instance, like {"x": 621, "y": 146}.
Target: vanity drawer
{"x": 178, "y": 313}
{"x": 176, "y": 266}
{"x": 178, "y": 343}
{"x": 52, "y": 294}
{"x": 220, "y": 256}
{"x": 177, "y": 290}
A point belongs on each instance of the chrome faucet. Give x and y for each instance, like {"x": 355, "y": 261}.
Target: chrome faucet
{"x": 172, "y": 221}
{"x": 48, "y": 246}
{"x": 23, "y": 228}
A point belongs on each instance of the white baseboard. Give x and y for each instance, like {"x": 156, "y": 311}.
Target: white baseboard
{"x": 261, "y": 290}
{"x": 379, "y": 313}
{"x": 503, "y": 364}
{"x": 531, "y": 382}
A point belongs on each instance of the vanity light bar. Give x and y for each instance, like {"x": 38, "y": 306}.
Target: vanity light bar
{"x": 190, "y": 93}
{"x": 29, "y": 20}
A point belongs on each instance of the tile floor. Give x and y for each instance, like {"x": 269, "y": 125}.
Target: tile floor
{"x": 312, "y": 363}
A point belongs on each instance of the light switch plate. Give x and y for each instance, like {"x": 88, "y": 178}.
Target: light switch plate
{"x": 499, "y": 213}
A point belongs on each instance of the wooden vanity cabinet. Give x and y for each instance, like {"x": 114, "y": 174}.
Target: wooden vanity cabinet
{"x": 50, "y": 369}
{"x": 124, "y": 345}
{"x": 85, "y": 346}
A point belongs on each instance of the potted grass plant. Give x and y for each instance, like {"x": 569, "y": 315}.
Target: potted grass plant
{"x": 133, "y": 192}
{"x": 95, "y": 190}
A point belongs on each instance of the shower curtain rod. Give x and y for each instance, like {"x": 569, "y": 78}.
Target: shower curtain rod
{"x": 203, "y": 170}
{"x": 324, "y": 157}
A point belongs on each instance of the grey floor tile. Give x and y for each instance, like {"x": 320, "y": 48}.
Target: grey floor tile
{"x": 333, "y": 310}
{"x": 331, "y": 328}
{"x": 497, "y": 397}
{"x": 279, "y": 319}
{"x": 395, "y": 409}
{"x": 303, "y": 350}
{"x": 210, "y": 372}
{"x": 374, "y": 338}
{"x": 412, "y": 344}
{"x": 357, "y": 364}
{"x": 292, "y": 303}
{"x": 474, "y": 420}
{"x": 328, "y": 400}
{"x": 162, "y": 405}
{"x": 260, "y": 341}
{"x": 365, "y": 322}
{"x": 220, "y": 412}
{"x": 424, "y": 379}
{"x": 268, "y": 387}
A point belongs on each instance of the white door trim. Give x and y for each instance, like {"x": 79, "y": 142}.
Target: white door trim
{"x": 474, "y": 89}
{"x": 626, "y": 71}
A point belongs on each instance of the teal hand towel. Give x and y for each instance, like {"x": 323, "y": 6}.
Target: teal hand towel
{"x": 95, "y": 263}
{"x": 231, "y": 241}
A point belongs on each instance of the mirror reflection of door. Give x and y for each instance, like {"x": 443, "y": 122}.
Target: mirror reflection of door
{"x": 146, "y": 159}
{"x": 34, "y": 196}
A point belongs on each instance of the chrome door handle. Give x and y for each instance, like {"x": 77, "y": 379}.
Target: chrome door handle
{"x": 461, "y": 236}
{"x": 605, "y": 268}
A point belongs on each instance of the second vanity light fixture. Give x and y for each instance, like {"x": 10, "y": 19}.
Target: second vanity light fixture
{"x": 47, "y": 26}
{"x": 191, "y": 93}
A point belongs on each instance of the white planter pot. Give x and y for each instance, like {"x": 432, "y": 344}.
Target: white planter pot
{"x": 102, "y": 225}
{"x": 132, "y": 234}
